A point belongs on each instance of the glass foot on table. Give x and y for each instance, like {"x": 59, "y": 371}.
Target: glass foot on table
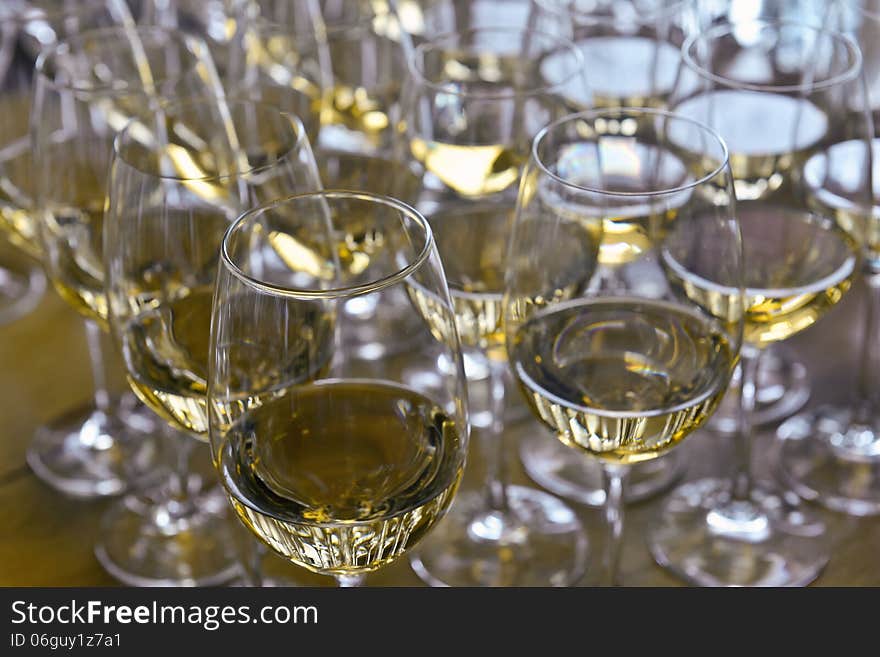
{"x": 88, "y": 453}
{"x": 539, "y": 542}
{"x": 708, "y": 539}
{"x": 826, "y": 458}
{"x": 578, "y": 477}
{"x": 145, "y": 544}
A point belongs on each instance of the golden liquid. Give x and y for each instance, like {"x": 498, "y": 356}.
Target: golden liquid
{"x": 75, "y": 247}
{"x": 16, "y": 175}
{"x": 631, "y": 225}
{"x": 360, "y": 110}
{"x": 770, "y": 136}
{"x": 837, "y": 187}
{"x": 360, "y": 238}
{"x": 622, "y": 379}
{"x": 342, "y": 476}
{"x": 470, "y": 171}
{"x": 798, "y": 265}
{"x": 166, "y": 350}
{"x": 472, "y": 241}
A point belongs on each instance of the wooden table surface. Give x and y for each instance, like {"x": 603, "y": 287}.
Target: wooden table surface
{"x": 47, "y": 539}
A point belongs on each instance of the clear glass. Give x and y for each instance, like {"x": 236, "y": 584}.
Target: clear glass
{"x": 472, "y": 103}
{"x": 631, "y": 49}
{"x": 219, "y": 23}
{"x": 367, "y": 51}
{"x": 623, "y": 373}
{"x": 76, "y": 108}
{"x": 26, "y": 29}
{"x": 178, "y": 180}
{"x": 631, "y": 54}
{"x": 285, "y": 60}
{"x": 336, "y": 467}
{"x": 780, "y": 94}
{"x": 831, "y": 454}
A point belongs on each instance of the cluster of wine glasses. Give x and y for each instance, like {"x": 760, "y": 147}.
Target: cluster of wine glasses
{"x": 330, "y": 238}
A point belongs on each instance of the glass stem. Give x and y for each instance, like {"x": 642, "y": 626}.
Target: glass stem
{"x": 350, "y": 581}
{"x": 96, "y": 342}
{"x": 865, "y": 410}
{"x": 180, "y": 500}
{"x": 614, "y": 479}
{"x": 496, "y": 461}
{"x": 748, "y": 384}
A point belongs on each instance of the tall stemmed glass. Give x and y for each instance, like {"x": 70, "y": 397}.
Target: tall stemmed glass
{"x": 778, "y": 93}
{"x": 334, "y": 467}
{"x": 178, "y": 180}
{"x": 631, "y": 52}
{"x": 625, "y": 373}
{"x": 472, "y": 103}
{"x": 831, "y": 455}
{"x": 86, "y": 87}
{"x": 631, "y": 48}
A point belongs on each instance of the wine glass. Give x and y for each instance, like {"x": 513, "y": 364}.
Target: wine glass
{"x": 472, "y": 102}
{"x": 831, "y": 454}
{"x": 178, "y": 179}
{"x": 782, "y": 381}
{"x": 631, "y": 48}
{"x": 288, "y": 70}
{"x": 367, "y": 54}
{"x": 337, "y": 468}
{"x": 85, "y": 88}
{"x": 631, "y": 52}
{"x": 220, "y": 23}
{"x": 624, "y": 373}
{"x": 778, "y": 92}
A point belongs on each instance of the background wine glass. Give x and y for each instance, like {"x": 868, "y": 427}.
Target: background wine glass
{"x": 472, "y": 103}
{"x": 178, "y": 180}
{"x": 220, "y": 23}
{"x": 624, "y": 373}
{"x": 831, "y": 454}
{"x": 801, "y": 93}
{"x": 631, "y": 48}
{"x": 632, "y": 57}
{"x": 336, "y": 469}
{"x": 97, "y": 449}
{"x": 782, "y": 380}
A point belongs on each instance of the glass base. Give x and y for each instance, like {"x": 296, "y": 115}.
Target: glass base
{"x": 143, "y": 544}
{"x": 578, "y": 477}
{"x": 783, "y": 389}
{"x": 539, "y": 542}
{"x": 825, "y": 458}
{"x": 707, "y": 539}
{"x": 88, "y": 454}
{"x": 22, "y": 285}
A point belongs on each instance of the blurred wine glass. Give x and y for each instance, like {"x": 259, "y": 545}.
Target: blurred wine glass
{"x": 831, "y": 454}
{"x": 179, "y": 177}
{"x": 472, "y": 103}
{"x": 779, "y": 93}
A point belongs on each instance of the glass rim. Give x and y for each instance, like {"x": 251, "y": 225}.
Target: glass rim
{"x": 567, "y": 8}
{"x": 441, "y": 87}
{"x": 193, "y": 44}
{"x": 343, "y": 292}
{"x": 587, "y": 114}
{"x": 296, "y": 123}
{"x": 851, "y": 72}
